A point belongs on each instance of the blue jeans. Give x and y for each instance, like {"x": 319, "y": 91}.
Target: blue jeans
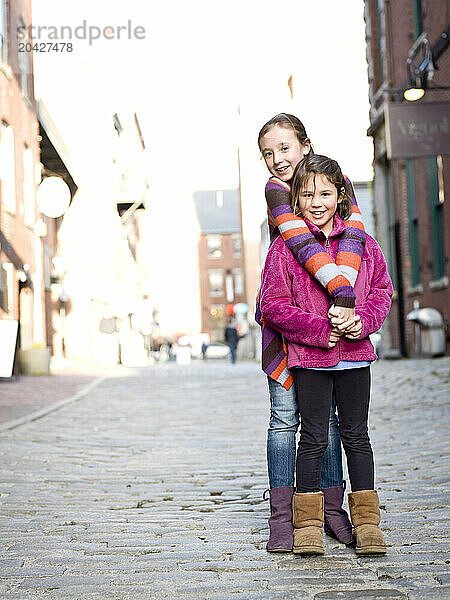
{"x": 283, "y": 425}
{"x": 232, "y": 348}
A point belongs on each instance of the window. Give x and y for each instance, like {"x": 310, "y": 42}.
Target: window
{"x": 7, "y": 287}
{"x": 380, "y": 39}
{"x": 215, "y": 282}
{"x": 238, "y": 282}
{"x": 24, "y": 60}
{"x": 413, "y": 223}
{"x": 217, "y": 322}
{"x": 237, "y": 245}
{"x": 7, "y": 167}
{"x": 28, "y": 186}
{"x": 47, "y": 268}
{"x": 214, "y": 246}
{"x": 229, "y": 287}
{"x": 437, "y": 217}
{"x": 3, "y": 33}
{"x": 3, "y": 289}
{"x": 390, "y": 224}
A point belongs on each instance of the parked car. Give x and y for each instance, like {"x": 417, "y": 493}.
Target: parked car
{"x": 217, "y": 350}
{"x": 376, "y": 338}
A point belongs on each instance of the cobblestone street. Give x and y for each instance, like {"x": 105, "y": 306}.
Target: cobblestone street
{"x": 150, "y": 486}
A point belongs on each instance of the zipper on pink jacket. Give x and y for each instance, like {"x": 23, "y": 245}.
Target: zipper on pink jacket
{"x": 327, "y": 246}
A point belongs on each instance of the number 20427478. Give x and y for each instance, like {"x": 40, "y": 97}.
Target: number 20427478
{"x": 45, "y": 47}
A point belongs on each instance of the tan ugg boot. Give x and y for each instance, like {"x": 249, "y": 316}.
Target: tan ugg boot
{"x": 365, "y": 514}
{"x": 307, "y": 512}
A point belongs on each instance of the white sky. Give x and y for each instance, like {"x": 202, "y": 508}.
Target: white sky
{"x": 200, "y": 61}
{"x": 183, "y": 81}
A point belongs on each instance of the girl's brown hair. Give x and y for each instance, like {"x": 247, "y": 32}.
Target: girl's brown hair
{"x": 316, "y": 164}
{"x": 287, "y": 120}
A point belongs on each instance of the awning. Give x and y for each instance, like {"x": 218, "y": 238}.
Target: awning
{"x": 14, "y": 258}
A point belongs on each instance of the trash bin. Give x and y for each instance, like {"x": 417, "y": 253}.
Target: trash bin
{"x": 430, "y": 334}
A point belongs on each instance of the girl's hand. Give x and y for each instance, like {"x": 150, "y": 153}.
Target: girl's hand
{"x": 347, "y": 326}
{"x": 335, "y": 336}
{"x": 355, "y": 332}
{"x": 340, "y": 313}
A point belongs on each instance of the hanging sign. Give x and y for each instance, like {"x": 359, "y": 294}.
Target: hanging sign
{"x": 417, "y": 130}
{"x": 53, "y": 197}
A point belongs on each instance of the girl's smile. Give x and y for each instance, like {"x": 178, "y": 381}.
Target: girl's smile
{"x": 318, "y": 203}
{"x": 282, "y": 151}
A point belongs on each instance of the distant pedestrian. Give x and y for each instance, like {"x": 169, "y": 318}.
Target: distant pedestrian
{"x": 328, "y": 356}
{"x": 232, "y": 338}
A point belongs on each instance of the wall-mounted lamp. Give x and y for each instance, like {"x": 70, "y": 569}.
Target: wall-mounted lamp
{"x": 413, "y": 93}
{"x": 416, "y": 93}
{"x": 421, "y": 66}
{"x": 53, "y": 197}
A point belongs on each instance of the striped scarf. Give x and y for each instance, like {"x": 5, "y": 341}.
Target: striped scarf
{"x": 337, "y": 277}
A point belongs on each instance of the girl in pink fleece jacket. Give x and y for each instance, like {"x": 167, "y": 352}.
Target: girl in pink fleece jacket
{"x": 326, "y": 356}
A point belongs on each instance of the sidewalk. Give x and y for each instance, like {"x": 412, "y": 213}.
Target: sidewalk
{"x": 29, "y": 396}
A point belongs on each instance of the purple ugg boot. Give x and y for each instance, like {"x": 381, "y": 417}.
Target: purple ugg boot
{"x": 280, "y": 523}
{"x": 337, "y": 523}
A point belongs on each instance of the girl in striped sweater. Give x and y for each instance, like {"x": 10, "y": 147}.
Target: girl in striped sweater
{"x": 295, "y": 303}
{"x": 283, "y": 142}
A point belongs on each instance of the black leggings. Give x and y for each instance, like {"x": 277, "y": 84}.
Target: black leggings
{"x": 314, "y": 393}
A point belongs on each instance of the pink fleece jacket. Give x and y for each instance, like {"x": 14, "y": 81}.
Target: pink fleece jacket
{"x": 296, "y": 304}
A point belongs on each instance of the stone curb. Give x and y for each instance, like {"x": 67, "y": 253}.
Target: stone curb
{"x": 42, "y": 412}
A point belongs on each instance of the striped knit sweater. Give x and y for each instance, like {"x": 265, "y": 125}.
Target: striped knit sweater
{"x": 338, "y": 277}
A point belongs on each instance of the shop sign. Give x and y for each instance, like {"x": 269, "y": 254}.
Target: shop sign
{"x": 417, "y": 130}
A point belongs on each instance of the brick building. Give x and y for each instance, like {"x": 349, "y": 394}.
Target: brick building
{"x": 21, "y": 274}
{"x": 221, "y": 262}
{"x": 55, "y": 162}
{"x": 407, "y": 43}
